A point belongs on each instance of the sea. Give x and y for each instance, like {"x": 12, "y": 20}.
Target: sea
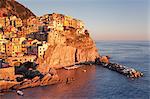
{"x": 99, "y": 82}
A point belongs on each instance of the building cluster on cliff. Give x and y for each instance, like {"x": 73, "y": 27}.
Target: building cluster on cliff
{"x": 26, "y": 41}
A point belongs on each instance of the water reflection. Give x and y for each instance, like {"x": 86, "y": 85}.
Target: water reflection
{"x": 81, "y": 86}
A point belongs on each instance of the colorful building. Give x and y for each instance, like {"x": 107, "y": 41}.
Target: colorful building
{"x": 42, "y": 49}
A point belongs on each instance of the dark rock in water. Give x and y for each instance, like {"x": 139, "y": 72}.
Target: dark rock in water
{"x": 129, "y": 72}
{"x": 104, "y": 59}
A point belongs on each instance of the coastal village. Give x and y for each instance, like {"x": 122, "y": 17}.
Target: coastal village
{"x": 33, "y": 48}
{"x": 21, "y": 43}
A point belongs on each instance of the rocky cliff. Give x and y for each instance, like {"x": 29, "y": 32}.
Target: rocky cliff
{"x": 11, "y": 7}
{"x": 68, "y": 43}
{"x": 68, "y": 50}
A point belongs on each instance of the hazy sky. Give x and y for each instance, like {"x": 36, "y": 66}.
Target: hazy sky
{"x": 105, "y": 19}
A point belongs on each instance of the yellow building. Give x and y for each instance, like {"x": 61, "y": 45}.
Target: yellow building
{"x": 17, "y": 45}
{"x": 67, "y": 21}
{"x": 1, "y": 36}
{"x": 14, "y": 49}
{"x": 19, "y": 22}
{"x": 74, "y": 23}
{"x": 1, "y": 26}
{"x": 18, "y": 40}
{"x": 15, "y": 40}
{"x": 21, "y": 39}
{"x": 13, "y": 21}
{"x": 7, "y": 22}
{"x": 2, "y": 21}
{"x": 10, "y": 21}
{"x": 3, "y": 45}
{"x": 42, "y": 49}
{"x": 9, "y": 49}
{"x": 59, "y": 25}
{"x": 17, "y": 49}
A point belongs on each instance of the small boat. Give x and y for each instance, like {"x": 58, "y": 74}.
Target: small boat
{"x": 72, "y": 67}
{"x": 19, "y": 92}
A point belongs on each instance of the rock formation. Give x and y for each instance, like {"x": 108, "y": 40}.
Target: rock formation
{"x": 67, "y": 51}
{"x": 11, "y": 7}
{"x": 68, "y": 43}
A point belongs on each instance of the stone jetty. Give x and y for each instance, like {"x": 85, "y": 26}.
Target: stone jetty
{"x": 127, "y": 71}
{"x": 122, "y": 69}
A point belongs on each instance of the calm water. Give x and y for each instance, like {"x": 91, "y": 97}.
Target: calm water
{"x": 99, "y": 82}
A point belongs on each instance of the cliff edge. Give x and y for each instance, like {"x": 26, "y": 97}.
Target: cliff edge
{"x": 68, "y": 43}
{"x": 77, "y": 49}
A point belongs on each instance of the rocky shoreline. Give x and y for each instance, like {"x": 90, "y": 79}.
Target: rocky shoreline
{"x": 14, "y": 85}
{"x": 129, "y": 72}
{"x": 61, "y": 75}
{"x": 55, "y": 76}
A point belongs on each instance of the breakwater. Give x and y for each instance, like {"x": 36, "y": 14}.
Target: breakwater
{"x": 122, "y": 69}
{"x": 129, "y": 72}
